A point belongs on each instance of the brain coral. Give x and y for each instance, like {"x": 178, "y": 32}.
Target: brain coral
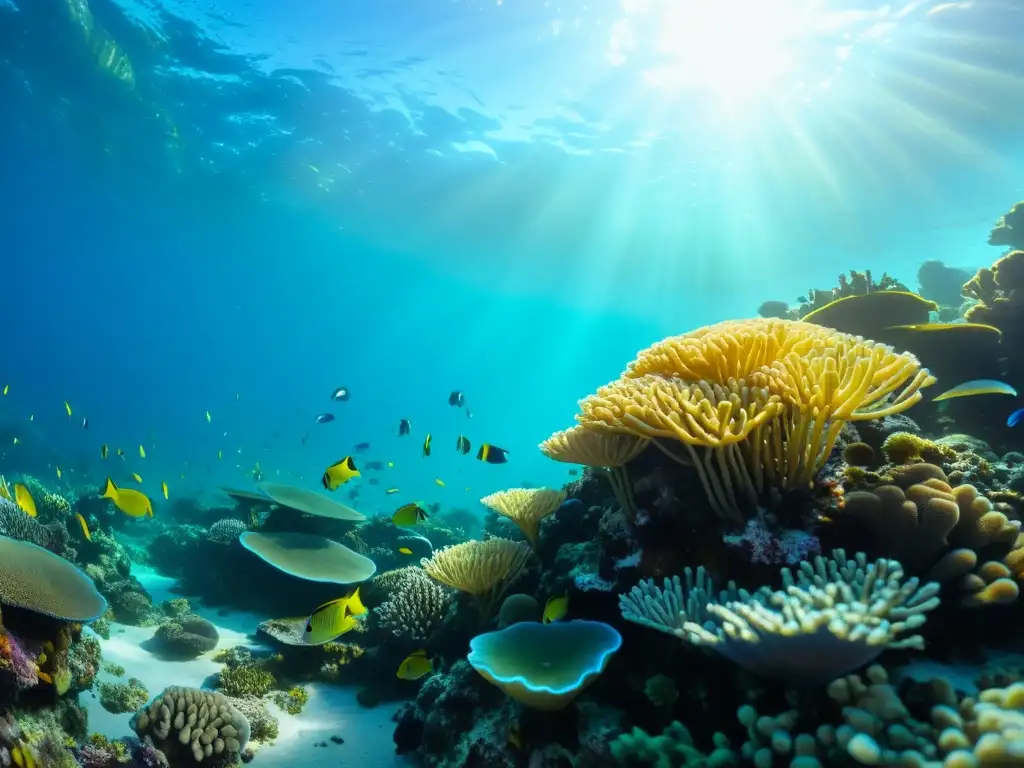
{"x": 34, "y": 578}
{"x": 185, "y": 722}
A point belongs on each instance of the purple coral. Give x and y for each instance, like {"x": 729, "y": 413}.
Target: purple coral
{"x": 765, "y": 546}
{"x": 18, "y": 663}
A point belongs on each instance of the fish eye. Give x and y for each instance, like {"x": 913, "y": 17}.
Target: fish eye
{"x": 309, "y": 627}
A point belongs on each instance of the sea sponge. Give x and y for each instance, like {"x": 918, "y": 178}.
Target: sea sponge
{"x": 908, "y": 448}
{"x": 189, "y": 721}
{"x": 753, "y": 403}
{"x": 831, "y": 617}
{"x": 119, "y": 698}
{"x": 516, "y": 608}
{"x": 526, "y": 507}
{"x": 483, "y": 569}
{"x": 859, "y": 454}
{"x": 415, "y": 608}
{"x": 544, "y": 666}
{"x": 310, "y": 557}
{"x": 34, "y": 578}
{"x": 183, "y": 638}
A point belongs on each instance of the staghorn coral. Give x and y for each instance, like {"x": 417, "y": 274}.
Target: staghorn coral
{"x": 833, "y": 616}
{"x": 185, "y": 722}
{"x": 483, "y": 569}
{"x": 753, "y": 404}
{"x": 526, "y": 507}
{"x": 415, "y": 607}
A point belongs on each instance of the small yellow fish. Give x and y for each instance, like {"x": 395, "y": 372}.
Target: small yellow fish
{"x": 24, "y": 499}
{"x": 85, "y": 527}
{"x": 16, "y": 441}
{"x": 208, "y": 417}
{"x": 137, "y": 477}
{"x": 163, "y": 487}
{"x": 391, "y": 465}
{"x": 339, "y": 473}
{"x": 7, "y": 388}
{"x": 142, "y": 452}
{"x": 439, "y": 481}
{"x": 404, "y": 551}
{"x": 408, "y": 515}
{"x": 133, "y": 503}
{"x": 333, "y": 619}
{"x": 426, "y": 445}
{"x": 555, "y": 609}
{"x": 67, "y": 407}
{"x": 220, "y": 454}
{"x": 389, "y": 491}
{"x": 4, "y": 490}
{"x": 58, "y": 473}
{"x": 415, "y": 666}
{"x": 104, "y": 450}
{"x": 120, "y": 452}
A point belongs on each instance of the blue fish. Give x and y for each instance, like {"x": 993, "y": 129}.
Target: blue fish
{"x": 1015, "y": 418}
{"x": 323, "y": 418}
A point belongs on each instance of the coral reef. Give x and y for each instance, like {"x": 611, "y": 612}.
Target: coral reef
{"x": 187, "y": 722}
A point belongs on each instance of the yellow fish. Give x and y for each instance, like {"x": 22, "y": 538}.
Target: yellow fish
{"x": 58, "y": 473}
{"x": 333, "y": 619}
{"x": 142, "y": 452}
{"x": 24, "y": 499}
{"x": 555, "y": 608}
{"x": 7, "y": 388}
{"x": 404, "y": 551}
{"x": 389, "y": 491}
{"x": 133, "y": 503}
{"x": 120, "y": 452}
{"x": 21, "y": 756}
{"x": 426, "y": 445}
{"x": 16, "y": 441}
{"x": 137, "y": 477}
{"x": 391, "y": 465}
{"x": 208, "y": 417}
{"x": 4, "y": 490}
{"x": 163, "y": 487}
{"x": 104, "y": 450}
{"x": 220, "y": 454}
{"x": 85, "y": 527}
{"x": 415, "y": 666}
{"x": 439, "y": 481}
{"x": 67, "y": 407}
{"x": 339, "y": 473}
{"x": 408, "y": 515}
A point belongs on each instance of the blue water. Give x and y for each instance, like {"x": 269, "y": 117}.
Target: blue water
{"x": 260, "y": 200}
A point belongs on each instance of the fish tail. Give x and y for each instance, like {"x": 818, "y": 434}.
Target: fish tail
{"x": 109, "y": 490}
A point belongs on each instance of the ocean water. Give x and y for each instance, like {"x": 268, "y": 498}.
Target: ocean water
{"x": 215, "y": 212}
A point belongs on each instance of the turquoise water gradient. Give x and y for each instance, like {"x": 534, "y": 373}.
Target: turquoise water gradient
{"x": 407, "y": 198}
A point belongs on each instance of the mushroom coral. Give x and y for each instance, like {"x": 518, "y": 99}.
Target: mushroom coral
{"x": 544, "y": 666}
{"x": 754, "y": 403}
{"x": 830, "y": 618}
{"x": 36, "y": 579}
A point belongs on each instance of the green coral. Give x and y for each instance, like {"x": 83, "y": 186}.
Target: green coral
{"x": 119, "y": 698}
{"x": 114, "y": 669}
{"x": 674, "y": 748}
{"x": 292, "y": 701}
{"x": 245, "y": 680}
{"x": 102, "y": 625}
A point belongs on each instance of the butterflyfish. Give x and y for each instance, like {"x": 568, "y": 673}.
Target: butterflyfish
{"x": 340, "y": 394}
{"x": 409, "y": 515}
{"x": 133, "y": 503}
{"x": 339, "y": 473}
{"x": 24, "y": 499}
{"x": 1015, "y": 418}
{"x": 492, "y": 454}
{"x": 67, "y": 407}
{"x": 137, "y": 477}
{"x": 415, "y": 666}
{"x": 333, "y": 619}
{"x": 426, "y": 445}
{"x": 462, "y": 445}
{"x": 163, "y": 487}
{"x": 976, "y": 387}
{"x": 404, "y": 427}
{"x": 104, "y": 450}
{"x": 555, "y": 609}
{"x": 404, "y": 551}
{"x": 389, "y": 491}
{"x": 85, "y": 526}
{"x": 142, "y": 452}
{"x": 324, "y": 418}
{"x": 439, "y": 481}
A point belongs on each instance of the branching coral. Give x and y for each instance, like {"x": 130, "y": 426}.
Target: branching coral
{"x": 833, "y": 616}
{"x": 526, "y": 507}
{"x": 415, "y": 607}
{"x": 483, "y": 569}
{"x": 753, "y": 403}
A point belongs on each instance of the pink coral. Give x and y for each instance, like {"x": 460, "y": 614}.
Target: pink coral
{"x": 16, "y": 662}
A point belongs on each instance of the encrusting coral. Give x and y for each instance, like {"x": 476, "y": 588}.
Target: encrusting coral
{"x": 526, "y": 507}
{"x": 832, "y": 617}
{"x": 754, "y": 403}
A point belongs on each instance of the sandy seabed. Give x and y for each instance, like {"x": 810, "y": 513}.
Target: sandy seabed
{"x": 331, "y": 710}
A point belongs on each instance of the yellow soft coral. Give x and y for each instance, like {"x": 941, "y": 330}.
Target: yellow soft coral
{"x": 483, "y": 569}
{"x": 525, "y": 507}
{"x": 908, "y": 448}
{"x": 753, "y": 402}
